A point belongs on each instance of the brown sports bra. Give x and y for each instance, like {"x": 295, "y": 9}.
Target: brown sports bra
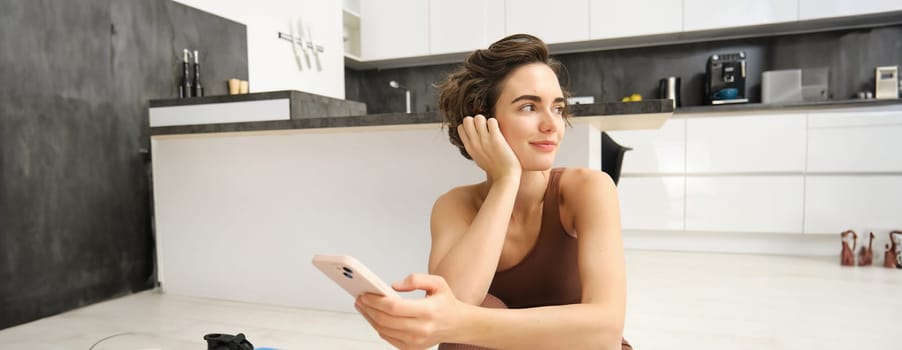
{"x": 549, "y": 274}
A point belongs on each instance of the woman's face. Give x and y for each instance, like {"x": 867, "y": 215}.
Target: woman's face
{"x": 530, "y": 113}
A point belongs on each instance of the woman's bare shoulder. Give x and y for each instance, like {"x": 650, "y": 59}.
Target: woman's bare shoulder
{"x": 453, "y": 211}
{"x": 580, "y": 182}
{"x": 581, "y": 191}
{"x": 462, "y": 198}
{"x": 580, "y": 176}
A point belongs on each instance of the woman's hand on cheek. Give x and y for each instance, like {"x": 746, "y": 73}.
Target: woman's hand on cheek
{"x": 484, "y": 142}
{"x": 414, "y": 324}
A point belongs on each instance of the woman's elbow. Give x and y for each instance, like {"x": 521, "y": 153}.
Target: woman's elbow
{"x": 608, "y": 333}
{"x": 610, "y": 339}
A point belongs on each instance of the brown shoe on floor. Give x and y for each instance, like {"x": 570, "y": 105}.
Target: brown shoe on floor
{"x": 866, "y": 254}
{"x": 847, "y": 257}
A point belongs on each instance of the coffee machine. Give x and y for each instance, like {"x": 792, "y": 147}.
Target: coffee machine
{"x": 725, "y": 79}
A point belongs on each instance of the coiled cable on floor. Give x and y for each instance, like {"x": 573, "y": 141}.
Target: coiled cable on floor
{"x": 118, "y": 335}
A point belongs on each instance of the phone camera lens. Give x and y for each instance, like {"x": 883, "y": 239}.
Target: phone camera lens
{"x": 347, "y": 269}
{"x": 348, "y": 275}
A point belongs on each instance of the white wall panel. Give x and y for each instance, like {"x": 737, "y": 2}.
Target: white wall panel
{"x": 855, "y": 141}
{"x": 836, "y": 203}
{"x": 746, "y": 144}
{"x": 271, "y": 61}
{"x": 744, "y": 203}
{"x": 654, "y": 151}
{"x": 652, "y": 203}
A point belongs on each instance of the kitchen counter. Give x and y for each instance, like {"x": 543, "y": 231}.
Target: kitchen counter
{"x": 306, "y": 104}
{"x": 308, "y": 111}
{"x": 263, "y": 106}
{"x": 767, "y": 108}
{"x": 648, "y": 114}
{"x": 280, "y": 186}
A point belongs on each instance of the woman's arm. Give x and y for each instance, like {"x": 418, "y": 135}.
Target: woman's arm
{"x": 441, "y": 318}
{"x": 466, "y": 253}
{"x": 577, "y": 326}
{"x": 466, "y": 248}
{"x": 596, "y": 323}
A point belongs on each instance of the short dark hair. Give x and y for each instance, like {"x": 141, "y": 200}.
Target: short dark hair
{"x": 475, "y": 87}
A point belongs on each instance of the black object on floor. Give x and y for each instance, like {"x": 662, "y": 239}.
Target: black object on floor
{"x": 612, "y": 156}
{"x": 216, "y": 341}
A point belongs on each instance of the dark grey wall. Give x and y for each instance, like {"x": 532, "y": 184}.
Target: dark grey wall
{"x": 75, "y": 220}
{"x": 609, "y": 75}
{"x": 371, "y": 87}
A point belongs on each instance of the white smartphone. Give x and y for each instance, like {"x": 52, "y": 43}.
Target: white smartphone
{"x": 352, "y": 275}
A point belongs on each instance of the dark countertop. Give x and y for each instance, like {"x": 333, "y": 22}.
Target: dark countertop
{"x": 386, "y": 119}
{"x": 301, "y": 104}
{"x": 313, "y": 119}
{"x": 257, "y": 96}
{"x": 763, "y": 108}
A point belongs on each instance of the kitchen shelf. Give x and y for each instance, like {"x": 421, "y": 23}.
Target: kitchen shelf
{"x": 351, "y": 33}
{"x": 350, "y": 13}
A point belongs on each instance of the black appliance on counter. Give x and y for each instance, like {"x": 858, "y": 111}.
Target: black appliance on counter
{"x": 725, "y": 79}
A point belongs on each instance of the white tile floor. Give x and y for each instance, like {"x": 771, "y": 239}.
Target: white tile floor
{"x": 676, "y": 301}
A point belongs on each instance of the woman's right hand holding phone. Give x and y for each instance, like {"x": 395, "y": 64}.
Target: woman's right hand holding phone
{"x": 484, "y": 142}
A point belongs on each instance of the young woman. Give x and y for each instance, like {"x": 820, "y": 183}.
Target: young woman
{"x": 530, "y": 258}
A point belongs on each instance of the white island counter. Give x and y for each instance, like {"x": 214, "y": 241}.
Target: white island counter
{"x": 239, "y": 214}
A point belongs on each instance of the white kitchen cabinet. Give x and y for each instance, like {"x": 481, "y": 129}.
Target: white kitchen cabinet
{"x": 394, "y": 29}
{"x": 617, "y": 18}
{"x": 758, "y": 143}
{"x": 855, "y": 142}
{"x": 744, "y": 203}
{"x": 652, "y": 203}
{"x": 714, "y": 14}
{"x": 837, "y": 203}
{"x": 464, "y": 25}
{"x": 553, "y": 22}
{"x": 813, "y": 9}
{"x": 658, "y": 151}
